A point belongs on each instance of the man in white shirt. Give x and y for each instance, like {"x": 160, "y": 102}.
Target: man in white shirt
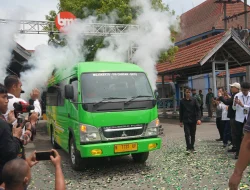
{"x": 14, "y": 88}
{"x": 241, "y": 105}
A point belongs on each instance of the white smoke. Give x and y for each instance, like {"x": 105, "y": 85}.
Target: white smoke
{"x": 47, "y": 58}
{"x": 7, "y": 41}
{"x": 153, "y": 36}
{"x": 6, "y": 47}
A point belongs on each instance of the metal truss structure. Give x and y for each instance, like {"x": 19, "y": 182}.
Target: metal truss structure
{"x": 92, "y": 29}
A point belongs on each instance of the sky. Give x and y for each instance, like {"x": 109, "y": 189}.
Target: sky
{"x": 37, "y": 9}
{"x": 29, "y": 10}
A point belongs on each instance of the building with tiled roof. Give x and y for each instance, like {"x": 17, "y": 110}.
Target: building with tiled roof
{"x": 190, "y": 55}
{"x": 203, "y": 40}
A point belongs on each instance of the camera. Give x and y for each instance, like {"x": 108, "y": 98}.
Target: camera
{"x": 44, "y": 155}
{"x": 19, "y": 109}
{"x": 22, "y": 107}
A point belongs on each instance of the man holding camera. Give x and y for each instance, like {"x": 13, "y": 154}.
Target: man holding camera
{"x": 241, "y": 105}
{"x": 235, "y": 88}
{"x": 10, "y": 143}
{"x": 14, "y": 88}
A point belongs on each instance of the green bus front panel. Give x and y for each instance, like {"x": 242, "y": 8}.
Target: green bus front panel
{"x": 108, "y": 149}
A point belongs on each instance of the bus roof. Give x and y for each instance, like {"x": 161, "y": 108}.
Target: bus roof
{"x": 86, "y": 67}
{"x": 93, "y": 67}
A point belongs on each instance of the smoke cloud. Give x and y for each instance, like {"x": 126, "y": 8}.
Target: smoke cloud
{"x": 47, "y": 58}
{"x": 150, "y": 39}
{"x": 153, "y": 36}
{"x": 6, "y": 47}
{"x": 7, "y": 42}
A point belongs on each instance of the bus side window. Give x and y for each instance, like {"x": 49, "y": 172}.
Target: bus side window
{"x": 43, "y": 101}
{"x": 60, "y": 88}
{"x": 75, "y": 87}
{"x": 52, "y": 96}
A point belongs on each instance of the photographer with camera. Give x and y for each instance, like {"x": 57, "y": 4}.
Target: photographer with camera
{"x": 18, "y": 105}
{"x": 10, "y": 143}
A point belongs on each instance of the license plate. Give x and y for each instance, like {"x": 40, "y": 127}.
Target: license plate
{"x": 126, "y": 147}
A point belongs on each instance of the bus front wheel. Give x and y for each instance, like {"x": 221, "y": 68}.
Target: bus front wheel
{"x": 140, "y": 157}
{"x": 77, "y": 163}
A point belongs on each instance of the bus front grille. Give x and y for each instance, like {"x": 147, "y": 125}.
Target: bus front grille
{"x": 127, "y": 131}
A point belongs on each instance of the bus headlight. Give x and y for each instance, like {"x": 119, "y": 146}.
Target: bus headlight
{"x": 89, "y": 133}
{"x": 153, "y": 128}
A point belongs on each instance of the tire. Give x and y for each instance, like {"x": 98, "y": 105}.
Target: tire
{"x": 76, "y": 161}
{"x": 52, "y": 139}
{"x": 140, "y": 157}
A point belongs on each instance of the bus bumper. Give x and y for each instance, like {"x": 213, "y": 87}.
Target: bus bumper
{"x": 120, "y": 147}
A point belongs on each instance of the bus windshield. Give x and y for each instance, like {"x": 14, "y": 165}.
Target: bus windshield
{"x": 115, "y": 86}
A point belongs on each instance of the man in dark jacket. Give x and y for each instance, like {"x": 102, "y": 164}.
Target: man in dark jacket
{"x": 10, "y": 143}
{"x": 201, "y": 97}
{"x": 235, "y": 88}
{"x": 209, "y": 102}
{"x": 189, "y": 116}
{"x": 196, "y": 96}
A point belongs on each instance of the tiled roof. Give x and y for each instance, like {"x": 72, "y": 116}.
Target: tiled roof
{"x": 233, "y": 71}
{"x": 207, "y": 15}
{"x": 233, "y": 9}
{"x": 190, "y": 55}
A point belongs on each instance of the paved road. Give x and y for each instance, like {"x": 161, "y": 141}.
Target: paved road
{"x": 168, "y": 168}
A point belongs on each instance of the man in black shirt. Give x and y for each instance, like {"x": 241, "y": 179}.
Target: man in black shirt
{"x": 10, "y": 143}
{"x": 189, "y": 116}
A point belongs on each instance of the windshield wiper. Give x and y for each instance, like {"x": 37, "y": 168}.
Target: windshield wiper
{"x": 135, "y": 97}
{"x": 109, "y": 98}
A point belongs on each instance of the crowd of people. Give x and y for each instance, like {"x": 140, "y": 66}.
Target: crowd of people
{"x": 232, "y": 121}
{"x": 15, "y": 173}
{"x": 231, "y": 111}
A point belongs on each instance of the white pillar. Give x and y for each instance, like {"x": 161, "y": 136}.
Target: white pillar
{"x": 174, "y": 96}
{"x": 214, "y": 79}
{"x": 247, "y": 73}
{"x": 227, "y": 76}
{"x": 246, "y": 21}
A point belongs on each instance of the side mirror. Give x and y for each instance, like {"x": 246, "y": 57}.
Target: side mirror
{"x": 69, "y": 92}
{"x": 156, "y": 94}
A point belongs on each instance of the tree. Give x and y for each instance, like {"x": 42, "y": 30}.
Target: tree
{"x": 100, "y": 8}
{"x": 53, "y": 37}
